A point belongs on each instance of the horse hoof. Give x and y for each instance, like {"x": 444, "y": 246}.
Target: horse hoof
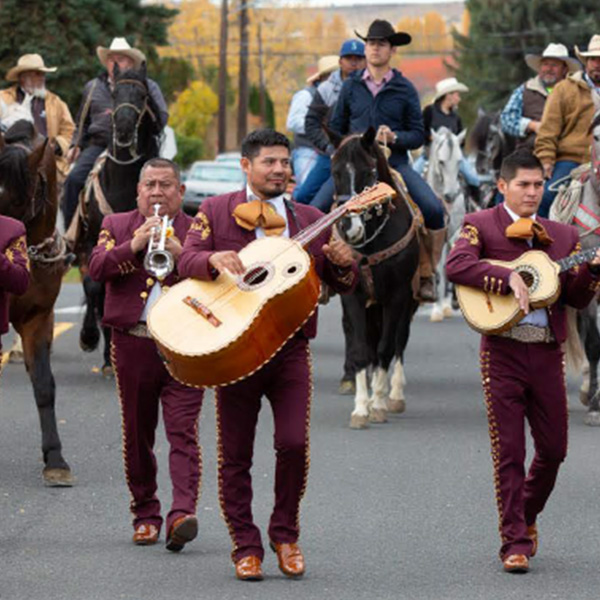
{"x": 89, "y": 343}
{"x": 15, "y": 357}
{"x": 447, "y": 312}
{"x": 58, "y": 477}
{"x": 396, "y": 406}
{"x": 437, "y": 316}
{"x": 347, "y": 387}
{"x": 584, "y": 398}
{"x": 359, "y": 422}
{"x": 107, "y": 371}
{"x": 378, "y": 415}
{"x": 592, "y": 419}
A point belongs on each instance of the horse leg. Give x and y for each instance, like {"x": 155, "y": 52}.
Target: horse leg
{"x": 592, "y": 350}
{"x": 107, "y": 368}
{"x": 347, "y": 385}
{"x": 437, "y": 310}
{"x": 397, "y": 400}
{"x": 15, "y": 354}
{"x": 37, "y": 338}
{"x": 89, "y": 335}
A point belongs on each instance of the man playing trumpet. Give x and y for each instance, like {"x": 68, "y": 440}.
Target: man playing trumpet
{"x": 133, "y": 284}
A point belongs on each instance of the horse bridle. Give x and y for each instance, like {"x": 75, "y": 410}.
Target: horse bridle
{"x": 132, "y": 143}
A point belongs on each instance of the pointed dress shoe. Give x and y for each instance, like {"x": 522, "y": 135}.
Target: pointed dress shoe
{"x": 145, "y": 534}
{"x": 249, "y": 569}
{"x": 183, "y": 530}
{"x": 532, "y": 533}
{"x": 290, "y": 559}
{"x": 516, "y": 563}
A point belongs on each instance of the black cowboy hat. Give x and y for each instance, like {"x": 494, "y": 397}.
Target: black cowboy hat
{"x": 383, "y": 30}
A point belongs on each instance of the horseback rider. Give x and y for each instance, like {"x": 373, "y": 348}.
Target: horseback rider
{"x": 381, "y": 97}
{"x": 51, "y": 116}
{"x": 564, "y": 137}
{"x": 93, "y": 130}
{"x": 443, "y": 112}
{"x": 522, "y": 115}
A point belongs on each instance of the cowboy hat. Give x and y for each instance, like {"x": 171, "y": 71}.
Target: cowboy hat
{"x": 447, "y": 86}
{"x": 593, "y": 49}
{"x": 28, "y": 62}
{"x": 557, "y": 51}
{"x": 120, "y": 46}
{"x": 383, "y": 30}
{"x": 326, "y": 65}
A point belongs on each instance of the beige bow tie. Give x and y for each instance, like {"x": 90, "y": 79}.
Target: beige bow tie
{"x": 257, "y": 213}
{"x": 526, "y": 229}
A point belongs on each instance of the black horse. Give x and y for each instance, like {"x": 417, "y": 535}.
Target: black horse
{"x": 378, "y": 314}
{"x": 134, "y": 140}
{"x": 28, "y": 193}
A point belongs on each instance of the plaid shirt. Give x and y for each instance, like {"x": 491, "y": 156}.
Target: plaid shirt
{"x": 512, "y": 120}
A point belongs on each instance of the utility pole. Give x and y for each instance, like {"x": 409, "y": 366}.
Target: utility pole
{"x": 262, "y": 99}
{"x": 243, "y": 90}
{"x": 222, "y": 118}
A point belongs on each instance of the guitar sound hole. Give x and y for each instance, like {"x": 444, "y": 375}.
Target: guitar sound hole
{"x": 255, "y": 276}
{"x": 292, "y": 269}
{"x": 528, "y": 277}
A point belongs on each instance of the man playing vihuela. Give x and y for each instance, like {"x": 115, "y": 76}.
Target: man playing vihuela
{"x": 564, "y": 137}
{"x": 93, "y": 131}
{"x": 51, "y": 116}
{"x": 522, "y": 369}
{"x": 522, "y": 115}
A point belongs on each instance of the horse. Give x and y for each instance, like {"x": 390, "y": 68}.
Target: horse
{"x": 445, "y": 156}
{"x": 379, "y": 312}
{"x": 491, "y": 146}
{"x": 112, "y": 187}
{"x": 28, "y": 193}
{"x": 579, "y": 203}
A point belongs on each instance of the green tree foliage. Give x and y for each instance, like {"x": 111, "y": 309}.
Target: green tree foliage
{"x": 255, "y": 105}
{"x": 173, "y": 75}
{"x": 67, "y": 32}
{"x": 490, "y": 57}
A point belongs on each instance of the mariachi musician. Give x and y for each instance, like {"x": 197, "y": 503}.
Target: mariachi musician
{"x": 142, "y": 379}
{"x": 523, "y": 368}
{"x": 223, "y": 226}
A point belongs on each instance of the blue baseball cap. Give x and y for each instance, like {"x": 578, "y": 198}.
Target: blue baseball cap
{"x": 352, "y": 48}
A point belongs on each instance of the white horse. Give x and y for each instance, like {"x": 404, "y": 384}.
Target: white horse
{"x": 445, "y": 156}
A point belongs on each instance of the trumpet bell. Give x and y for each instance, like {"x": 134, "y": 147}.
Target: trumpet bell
{"x": 159, "y": 263}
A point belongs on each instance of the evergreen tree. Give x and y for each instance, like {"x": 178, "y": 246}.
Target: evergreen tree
{"x": 67, "y": 32}
{"x": 490, "y": 59}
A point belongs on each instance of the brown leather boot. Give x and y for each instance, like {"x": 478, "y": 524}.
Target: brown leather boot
{"x": 430, "y": 252}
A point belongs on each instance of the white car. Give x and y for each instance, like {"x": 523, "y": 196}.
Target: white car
{"x": 208, "y": 178}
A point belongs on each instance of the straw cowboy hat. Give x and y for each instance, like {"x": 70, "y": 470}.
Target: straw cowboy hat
{"x": 383, "y": 30}
{"x": 558, "y": 51}
{"x": 447, "y": 86}
{"x": 120, "y": 46}
{"x": 326, "y": 65}
{"x": 28, "y": 62}
{"x": 593, "y": 49}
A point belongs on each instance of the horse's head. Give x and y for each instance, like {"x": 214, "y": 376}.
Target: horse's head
{"x": 445, "y": 156}
{"x": 130, "y": 106}
{"x": 358, "y": 163}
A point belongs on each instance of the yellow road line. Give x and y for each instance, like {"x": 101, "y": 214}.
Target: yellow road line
{"x": 59, "y": 329}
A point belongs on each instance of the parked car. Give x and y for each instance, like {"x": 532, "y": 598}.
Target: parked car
{"x": 232, "y": 158}
{"x": 210, "y": 178}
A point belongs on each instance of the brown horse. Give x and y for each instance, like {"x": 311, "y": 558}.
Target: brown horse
{"x": 28, "y": 193}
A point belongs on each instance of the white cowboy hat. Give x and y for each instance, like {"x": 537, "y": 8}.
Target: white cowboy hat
{"x": 447, "y": 86}
{"x": 326, "y": 65}
{"x": 593, "y": 49}
{"x": 558, "y": 51}
{"x": 120, "y": 46}
{"x": 28, "y": 62}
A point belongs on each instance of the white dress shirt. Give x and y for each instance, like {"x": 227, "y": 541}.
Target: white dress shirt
{"x": 278, "y": 203}
{"x": 538, "y": 317}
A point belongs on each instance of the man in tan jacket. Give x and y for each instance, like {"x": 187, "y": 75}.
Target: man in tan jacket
{"x": 51, "y": 115}
{"x": 563, "y": 140}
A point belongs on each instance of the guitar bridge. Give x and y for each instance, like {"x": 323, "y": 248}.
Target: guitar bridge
{"x": 202, "y": 310}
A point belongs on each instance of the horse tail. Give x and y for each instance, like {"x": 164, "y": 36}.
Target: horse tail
{"x": 573, "y": 348}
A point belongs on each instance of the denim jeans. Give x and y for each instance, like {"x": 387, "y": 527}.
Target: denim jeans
{"x": 321, "y": 171}
{"x": 303, "y": 160}
{"x": 561, "y": 169}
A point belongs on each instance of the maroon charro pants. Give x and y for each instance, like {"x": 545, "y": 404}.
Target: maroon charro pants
{"x": 523, "y": 381}
{"x": 286, "y": 381}
{"x": 143, "y": 383}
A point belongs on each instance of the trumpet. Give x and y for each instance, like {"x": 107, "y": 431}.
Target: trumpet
{"x": 159, "y": 262}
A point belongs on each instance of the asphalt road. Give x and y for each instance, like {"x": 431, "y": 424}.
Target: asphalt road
{"x": 404, "y": 510}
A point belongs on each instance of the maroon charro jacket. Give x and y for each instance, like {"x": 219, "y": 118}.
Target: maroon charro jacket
{"x": 14, "y": 265}
{"x": 214, "y": 230}
{"x": 112, "y": 261}
{"x": 483, "y": 236}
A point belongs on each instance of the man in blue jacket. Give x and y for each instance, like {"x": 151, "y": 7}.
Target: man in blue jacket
{"x": 381, "y": 97}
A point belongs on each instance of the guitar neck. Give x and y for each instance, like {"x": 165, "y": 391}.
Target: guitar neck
{"x": 576, "y": 259}
{"x": 307, "y": 235}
